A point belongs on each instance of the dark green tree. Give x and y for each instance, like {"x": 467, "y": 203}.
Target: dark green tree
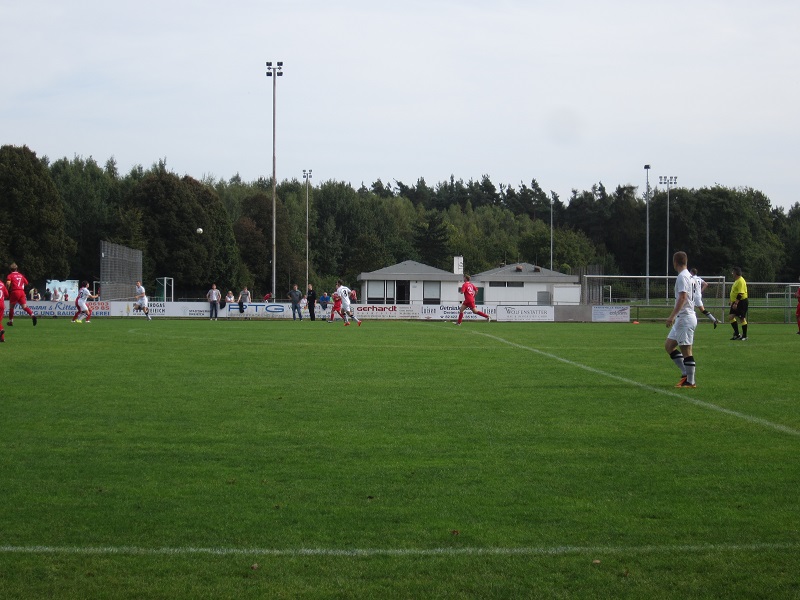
{"x": 33, "y": 229}
{"x": 171, "y": 210}
{"x": 431, "y": 239}
{"x": 92, "y": 209}
{"x": 253, "y": 231}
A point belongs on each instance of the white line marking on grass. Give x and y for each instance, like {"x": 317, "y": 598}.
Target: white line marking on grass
{"x": 683, "y": 396}
{"x": 367, "y": 552}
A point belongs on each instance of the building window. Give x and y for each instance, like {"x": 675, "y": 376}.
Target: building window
{"x": 376, "y": 293}
{"x": 431, "y": 292}
{"x": 390, "y": 292}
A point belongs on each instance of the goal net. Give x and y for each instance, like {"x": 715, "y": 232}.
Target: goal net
{"x": 120, "y": 269}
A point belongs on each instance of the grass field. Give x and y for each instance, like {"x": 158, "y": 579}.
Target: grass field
{"x": 280, "y": 459}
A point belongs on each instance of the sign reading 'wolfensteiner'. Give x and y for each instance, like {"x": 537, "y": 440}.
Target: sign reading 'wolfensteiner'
{"x": 526, "y": 313}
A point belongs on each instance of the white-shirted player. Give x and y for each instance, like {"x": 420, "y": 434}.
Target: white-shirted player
{"x": 682, "y": 321}
{"x": 141, "y": 301}
{"x": 344, "y": 293}
{"x": 83, "y": 312}
{"x": 699, "y": 287}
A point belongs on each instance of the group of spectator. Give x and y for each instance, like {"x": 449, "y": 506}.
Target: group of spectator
{"x": 299, "y": 301}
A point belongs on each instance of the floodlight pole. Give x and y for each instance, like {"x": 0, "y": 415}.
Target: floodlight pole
{"x": 551, "y": 230}
{"x": 647, "y": 242}
{"x": 668, "y": 181}
{"x": 307, "y": 177}
{"x": 274, "y": 72}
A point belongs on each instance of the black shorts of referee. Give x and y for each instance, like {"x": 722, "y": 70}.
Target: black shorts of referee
{"x": 739, "y": 309}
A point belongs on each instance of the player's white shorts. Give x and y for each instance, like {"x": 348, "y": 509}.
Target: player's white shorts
{"x": 141, "y": 303}
{"x": 82, "y": 306}
{"x": 346, "y": 305}
{"x": 683, "y": 329}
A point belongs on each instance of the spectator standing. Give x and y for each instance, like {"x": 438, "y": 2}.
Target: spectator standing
{"x": 213, "y": 295}
{"x": 311, "y": 297}
{"x": 244, "y": 299}
{"x": 295, "y": 295}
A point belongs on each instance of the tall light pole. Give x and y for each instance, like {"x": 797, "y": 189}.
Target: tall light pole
{"x": 647, "y": 250}
{"x": 551, "y": 230}
{"x": 668, "y": 181}
{"x": 307, "y": 177}
{"x": 274, "y": 72}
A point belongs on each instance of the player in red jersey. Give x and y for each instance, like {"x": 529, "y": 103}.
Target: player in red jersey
{"x": 3, "y": 296}
{"x": 469, "y": 290}
{"x": 336, "y": 309}
{"x": 16, "y": 283}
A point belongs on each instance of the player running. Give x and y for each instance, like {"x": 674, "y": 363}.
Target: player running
{"x": 141, "y": 301}
{"x": 469, "y": 290}
{"x": 83, "y": 311}
{"x": 699, "y": 287}
{"x": 16, "y": 283}
{"x": 344, "y": 293}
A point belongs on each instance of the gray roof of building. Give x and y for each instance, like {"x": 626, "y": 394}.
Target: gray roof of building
{"x": 525, "y": 272}
{"x": 411, "y": 269}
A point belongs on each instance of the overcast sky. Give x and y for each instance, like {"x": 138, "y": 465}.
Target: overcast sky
{"x": 570, "y": 92}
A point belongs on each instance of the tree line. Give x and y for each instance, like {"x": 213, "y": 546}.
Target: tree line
{"x": 53, "y": 216}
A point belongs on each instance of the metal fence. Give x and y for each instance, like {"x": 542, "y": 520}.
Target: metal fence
{"x": 650, "y": 298}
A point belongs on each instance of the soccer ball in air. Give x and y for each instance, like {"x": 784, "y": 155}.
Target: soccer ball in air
{"x": 199, "y": 230}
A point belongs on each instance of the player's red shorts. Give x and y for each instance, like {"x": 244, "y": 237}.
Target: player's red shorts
{"x": 797, "y": 312}
{"x": 470, "y": 304}
{"x": 17, "y": 297}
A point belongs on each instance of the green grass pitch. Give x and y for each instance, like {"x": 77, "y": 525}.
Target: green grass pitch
{"x": 281, "y": 459}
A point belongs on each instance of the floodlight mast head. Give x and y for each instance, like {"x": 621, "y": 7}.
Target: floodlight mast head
{"x": 277, "y": 69}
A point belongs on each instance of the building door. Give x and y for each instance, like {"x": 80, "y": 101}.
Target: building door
{"x": 403, "y": 289}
